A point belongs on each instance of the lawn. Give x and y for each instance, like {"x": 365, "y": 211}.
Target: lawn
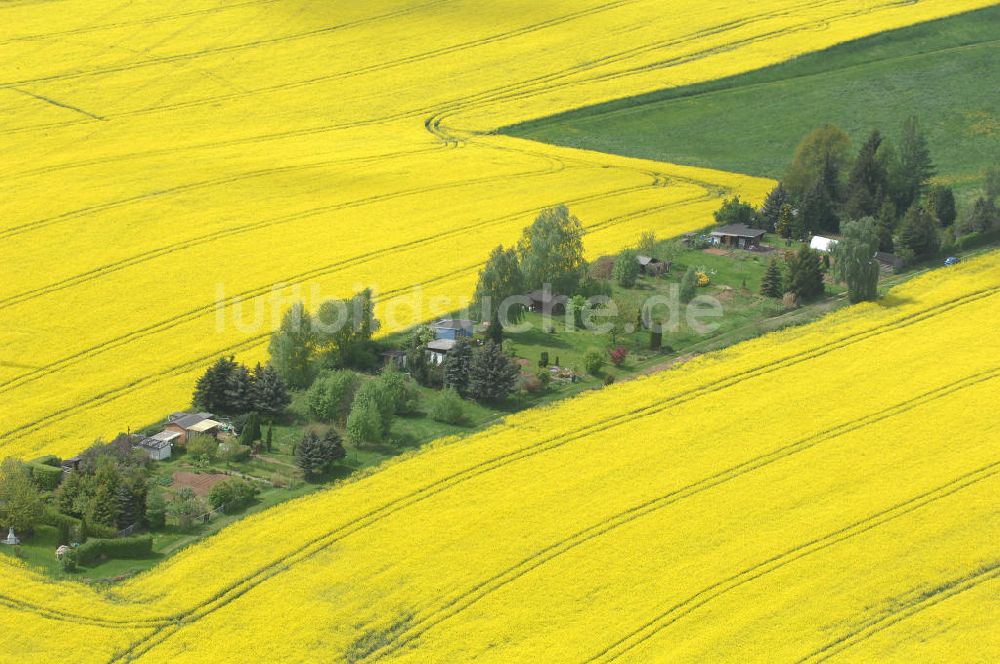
{"x": 751, "y": 123}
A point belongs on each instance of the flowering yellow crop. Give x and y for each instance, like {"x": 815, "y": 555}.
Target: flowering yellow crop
{"x": 690, "y": 515}
{"x": 175, "y": 173}
{"x": 163, "y": 157}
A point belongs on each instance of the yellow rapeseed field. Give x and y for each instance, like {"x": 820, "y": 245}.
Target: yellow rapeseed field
{"x": 175, "y": 173}
{"x": 665, "y": 518}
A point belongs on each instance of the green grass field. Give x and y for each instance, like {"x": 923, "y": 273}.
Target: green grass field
{"x": 751, "y": 123}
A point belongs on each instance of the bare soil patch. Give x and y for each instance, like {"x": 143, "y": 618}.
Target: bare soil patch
{"x": 201, "y": 483}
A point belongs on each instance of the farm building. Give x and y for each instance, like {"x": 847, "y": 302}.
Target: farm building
{"x": 739, "y": 236}
{"x": 823, "y": 244}
{"x": 652, "y": 266}
{"x": 160, "y": 446}
{"x": 452, "y": 328}
{"x": 187, "y": 425}
{"x": 546, "y": 302}
{"x": 438, "y": 349}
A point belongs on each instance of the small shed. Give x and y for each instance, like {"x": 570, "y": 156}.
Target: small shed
{"x": 187, "y": 425}
{"x": 453, "y": 328}
{"x": 438, "y": 349}
{"x": 738, "y": 236}
{"x": 547, "y": 302}
{"x": 160, "y": 446}
{"x": 822, "y": 244}
{"x": 652, "y": 266}
{"x": 70, "y": 464}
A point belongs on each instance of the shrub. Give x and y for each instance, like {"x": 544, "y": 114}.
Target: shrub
{"x": 314, "y": 455}
{"x": 618, "y": 355}
{"x": 609, "y": 379}
{"x": 365, "y": 424}
{"x": 399, "y": 390}
{"x": 203, "y": 446}
{"x": 447, "y": 407}
{"x": 45, "y": 476}
{"x": 122, "y": 548}
{"x": 156, "y": 510}
{"x": 543, "y": 360}
{"x": 233, "y": 494}
{"x": 530, "y": 384}
{"x": 233, "y": 452}
{"x": 48, "y": 460}
{"x": 593, "y": 361}
{"x": 69, "y": 561}
{"x": 329, "y": 398}
{"x": 626, "y": 269}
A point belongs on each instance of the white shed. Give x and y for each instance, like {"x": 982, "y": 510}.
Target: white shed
{"x": 823, "y": 244}
{"x": 160, "y": 446}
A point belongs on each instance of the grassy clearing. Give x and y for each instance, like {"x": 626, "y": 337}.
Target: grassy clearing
{"x": 751, "y": 123}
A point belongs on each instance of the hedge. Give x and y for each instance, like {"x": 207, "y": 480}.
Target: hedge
{"x": 45, "y": 476}
{"x": 48, "y": 460}
{"x": 125, "y": 547}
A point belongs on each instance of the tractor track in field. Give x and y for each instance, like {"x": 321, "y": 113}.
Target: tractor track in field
{"x": 319, "y": 543}
{"x": 456, "y": 604}
{"x": 13, "y": 231}
{"x": 944, "y": 592}
{"x": 246, "y": 345}
{"x": 232, "y": 48}
{"x": 546, "y": 83}
{"x": 518, "y": 88}
{"x": 706, "y": 595}
{"x": 64, "y": 616}
{"x": 192, "y": 314}
{"x": 391, "y": 64}
{"x": 42, "y": 36}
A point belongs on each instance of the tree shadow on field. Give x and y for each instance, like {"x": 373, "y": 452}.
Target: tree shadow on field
{"x": 893, "y": 301}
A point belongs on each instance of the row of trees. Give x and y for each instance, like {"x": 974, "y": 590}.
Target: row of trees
{"x": 824, "y": 187}
{"x": 230, "y": 387}
{"x": 548, "y": 254}
{"x": 801, "y": 274}
{"x": 338, "y": 336}
{"x": 109, "y": 487}
{"x": 367, "y": 407}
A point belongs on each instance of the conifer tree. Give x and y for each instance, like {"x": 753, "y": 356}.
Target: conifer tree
{"x": 268, "y": 394}
{"x": 689, "y": 285}
{"x": 251, "y": 430}
{"x": 770, "y": 211}
{"x": 941, "y": 202}
{"x": 919, "y": 233}
{"x": 868, "y": 181}
{"x": 770, "y": 285}
{"x": 785, "y": 225}
{"x": 457, "y": 365}
{"x": 804, "y": 273}
{"x": 914, "y": 165}
{"x": 493, "y": 375}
